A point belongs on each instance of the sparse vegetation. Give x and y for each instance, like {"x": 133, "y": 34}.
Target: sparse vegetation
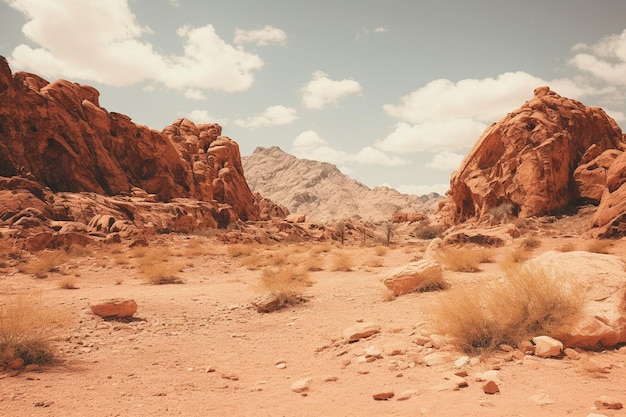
{"x": 285, "y": 285}
{"x": 389, "y": 229}
{"x": 529, "y": 302}
{"x": 514, "y": 258}
{"x": 427, "y": 231}
{"x": 599, "y": 246}
{"x": 567, "y": 247}
{"x": 342, "y": 261}
{"x": 239, "y": 249}
{"x": 27, "y": 330}
{"x": 501, "y": 213}
{"x": 530, "y": 243}
{"x": 381, "y": 250}
{"x": 44, "y": 262}
{"x": 69, "y": 282}
{"x": 156, "y": 267}
{"x": 463, "y": 259}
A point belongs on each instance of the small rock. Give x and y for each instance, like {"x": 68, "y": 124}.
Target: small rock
{"x": 281, "y": 365}
{"x": 527, "y": 347}
{"x": 547, "y": 347}
{"x": 608, "y": 403}
{"x": 491, "y": 388}
{"x": 572, "y": 354}
{"x": 461, "y": 362}
{"x": 15, "y": 364}
{"x": 331, "y": 379}
{"x": 541, "y": 398}
{"x": 489, "y": 376}
{"x": 383, "y": 396}
{"x": 360, "y": 331}
{"x": 438, "y": 358}
{"x": 406, "y": 395}
{"x": 115, "y": 307}
{"x": 301, "y": 385}
{"x": 33, "y": 367}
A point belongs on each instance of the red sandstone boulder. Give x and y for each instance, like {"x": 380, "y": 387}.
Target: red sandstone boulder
{"x": 610, "y": 218}
{"x": 527, "y": 160}
{"x": 115, "y": 307}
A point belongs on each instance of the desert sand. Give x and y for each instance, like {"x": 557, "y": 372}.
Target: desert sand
{"x": 200, "y": 348}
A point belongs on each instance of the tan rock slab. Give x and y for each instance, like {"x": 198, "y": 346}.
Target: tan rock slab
{"x": 115, "y": 307}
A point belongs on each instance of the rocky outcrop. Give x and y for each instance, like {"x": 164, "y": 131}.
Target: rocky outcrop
{"x": 322, "y": 193}
{"x": 56, "y": 134}
{"x": 539, "y": 159}
{"x": 609, "y": 220}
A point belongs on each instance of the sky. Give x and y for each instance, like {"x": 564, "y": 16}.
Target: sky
{"x": 393, "y": 92}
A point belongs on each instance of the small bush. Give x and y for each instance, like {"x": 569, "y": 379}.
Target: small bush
{"x": 381, "y": 250}
{"x": 530, "y": 243}
{"x": 239, "y": 249}
{"x": 44, "y": 263}
{"x": 428, "y": 231}
{"x": 529, "y": 302}
{"x": 599, "y": 246}
{"x": 284, "y": 286}
{"x": 461, "y": 260}
{"x": 342, "y": 261}
{"x": 514, "y": 259}
{"x": 69, "y": 282}
{"x": 27, "y": 330}
{"x": 502, "y": 212}
{"x": 156, "y": 267}
{"x": 567, "y": 247}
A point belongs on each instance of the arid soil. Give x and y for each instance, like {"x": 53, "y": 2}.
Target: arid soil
{"x": 199, "y": 348}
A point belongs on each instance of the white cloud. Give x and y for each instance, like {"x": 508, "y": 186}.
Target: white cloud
{"x": 195, "y": 94}
{"x": 423, "y": 189}
{"x": 261, "y": 37}
{"x": 446, "y": 161}
{"x": 448, "y": 116}
{"x": 308, "y": 145}
{"x": 605, "y": 60}
{"x": 103, "y": 42}
{"x": 380, "y": 29}
{"x": 272, "y": 116}
{"x": 174, "y": 3}
{"x": 202, "y": 116}
{"x": 321, "y": 90}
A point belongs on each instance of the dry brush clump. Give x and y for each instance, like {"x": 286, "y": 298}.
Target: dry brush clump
{"x": 529, "y": 302}
{"x": 45, "y": 262}
{"x": 599, "y": 246}
{"x": 156, "y": 266}
{"x": 463, "y": 259}
{"x": 341, "y": 262}
{"x": 27, "y": 331}
{"x": 284, "y": 286}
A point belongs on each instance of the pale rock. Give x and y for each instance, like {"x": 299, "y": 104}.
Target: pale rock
{"x": 419, "y": 275}
{"x": 394, "y": 349}
{"x": 547, "y": 347}
{"x": 301, "y": 385}
{"x": 438, "y": 358}
{"x": 406, "y": 395}
{"x": 360, "y": 331}
{"x": 373, "y": 352}
{"x": 541, "y": 398}
{"x": 608, "y": 403}
{"x": 491, "y": 375}
{"x": 461, "y": 362}
{"x": 572, "y": 354}
{"x": 115, "y": 307}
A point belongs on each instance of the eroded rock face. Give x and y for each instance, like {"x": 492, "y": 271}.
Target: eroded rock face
{"x": 610, "y": 218}
{"x": 56, "y": 134}
{"x": 528, "y": 159}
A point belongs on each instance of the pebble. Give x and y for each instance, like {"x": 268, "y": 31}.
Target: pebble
{"x": 383, "y": 396}
{"x": 491, "y": 388}
{"x": 301, "y": 385}
{"x": 406, "y": 395}
{"x": 608, "y": 403}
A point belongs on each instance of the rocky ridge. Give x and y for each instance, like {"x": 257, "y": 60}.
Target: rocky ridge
{"x": 321, "y": 192}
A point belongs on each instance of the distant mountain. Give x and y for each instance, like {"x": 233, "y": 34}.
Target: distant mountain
{"x": 322, "y": 192}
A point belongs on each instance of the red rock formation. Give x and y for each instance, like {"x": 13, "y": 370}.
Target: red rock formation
{"x": 528, "y": 159}
{"x": 57, "y": 134}
{"x": 610, "y": 218}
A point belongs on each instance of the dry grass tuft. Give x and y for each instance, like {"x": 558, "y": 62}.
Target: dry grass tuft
{"x": 529, "y": 302}
{"x": 156, "y": 267}
{"x": 69, "y": 282}
{"x": 284, "y": 285}
{"x": 238, "y": 250}
{"x": 341, "y": 261}
{"x": 27, "y": 330}
{"x": 44, "y": 263}
{"x": 381, "y": 250}
{"x": 514, "y": 259}
{"x": 599, "y": 246}
{"x": 567, "y": 247}
{"x": 530, "y": 243}
{"x": 463, "y": 259}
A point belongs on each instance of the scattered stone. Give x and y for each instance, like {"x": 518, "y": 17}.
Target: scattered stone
{"x": 461, "y": 362}
{"x": 547, "y": 347}
{"x": 115, "y": 307}
{"x": 491, "y": 388}
{"x": 491, "y": 375}
{"x": 301, "y": 385}
{"x": 383, "y": 396}
{"x": 360, "y": 331}
{"x": 421, "y": 275}
{"x": 15, "y": 364}
{"x": 406, "y": 395}
{"x": 608, "y": 403}
{"x": 526, "y": 347}
{"x": 281, "y": 365}
{"x": 506, "y": 348}
{"x": 438, "y": 358}
{"x": 331, "y": 379}
{"x": 541, "y": 398}
{"x": 572, "y": 354}
{"x": 518, "y": 355}
{"x": 394, "y": 349}
{"x": 33, "y": 367}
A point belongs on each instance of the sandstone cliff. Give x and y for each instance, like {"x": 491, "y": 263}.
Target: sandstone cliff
{"x": 549, "y": 154}
{"x": 56, "y": 134}
{"x": 321, "y": 192}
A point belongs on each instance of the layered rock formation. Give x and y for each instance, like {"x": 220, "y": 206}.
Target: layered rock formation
{"x": 57, "y": 135}
{"x": 541, "y": 158}
{"x": 321, "y": 192}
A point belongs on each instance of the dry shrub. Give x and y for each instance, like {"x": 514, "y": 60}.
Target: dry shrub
{"x": 428, "y": 231}
{"x": 462, "y": 259}
{"x": 374, "y": 262}
{"x": 530, "y": 243}
{"x": 314, "y": 262}
{"x": 530, "y": 302}
{"x": 27, "y": 330}
{"x": 514, "y": 258}
{"x": 69, "y": 282}
{"x": 567, "y": 247}
{"x": 284, "y": 286}
{"x": 238, "y": 250}
{"x": 156, "y": 267}
{"x": 44, "y": 263}
{"x": 342, "y": 261}
{"x": 380, "y": 250}
{"x": 599, "y": 246}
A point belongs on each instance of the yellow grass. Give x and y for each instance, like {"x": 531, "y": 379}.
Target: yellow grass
{"x": 567, "y": 247}
{"x": 463, "y": 259}
{"x": 528, "y": 303}
{"x": 530, "y": 243}
{"x": 156, "y": 266}
{"x": 44, "y": 262}
{"x": 69, "y": 282}
{"x": 341, "y": 261}
{"x": 240, "y": 249}
{"x": 599, "y": 246}
{"x": 380, "y": 250}
{"x": 514, "y": 258}
{"x": 27, "y": 330}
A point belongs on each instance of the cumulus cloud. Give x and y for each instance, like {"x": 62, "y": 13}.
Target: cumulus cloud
{"x": 195, "y": 94}
{"x": 380, "y": 29}
{"x": 448, "y": 116}
{"x": 321, "y": 90}
{"x": 309, "y": 145}
{"x": 202, "y": 116}
{"x": 272, "y": 116}
{"x": 261, "y": 37}
{"x": 104, "y": 42}
{"x": 446, "y": 161}
{"x": 605, "y": 60}
{"x": 423, "y": 189}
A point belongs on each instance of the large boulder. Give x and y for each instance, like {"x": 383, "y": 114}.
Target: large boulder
{"x": 527, "y": 160}
{"x": 56, "y": 134}
{"x": 415, "y": 276}
{"x": 601, "y": 281}
{"x": 609, "y": 220}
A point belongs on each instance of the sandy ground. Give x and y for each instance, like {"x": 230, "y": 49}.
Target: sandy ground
{"x": 199, "y": 348}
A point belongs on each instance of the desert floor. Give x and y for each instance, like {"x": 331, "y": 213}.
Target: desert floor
{"x": 199, "y": 348}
